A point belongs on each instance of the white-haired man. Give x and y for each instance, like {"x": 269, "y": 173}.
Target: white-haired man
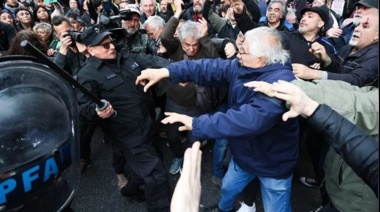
{"x": 149, "y": 8}
{"x": 262, "y": 145}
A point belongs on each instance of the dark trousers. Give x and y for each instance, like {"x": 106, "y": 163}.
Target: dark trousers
{"x": 146, "y": 166}
{"x": 86, "y": 131}
{"x": 174, "y": 135}
{"x": 118, "y": 160}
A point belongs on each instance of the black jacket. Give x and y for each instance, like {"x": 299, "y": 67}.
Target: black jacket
{"x": 358, "y": 149}
{"x": 360, "y": 68}
{"x": 294, "y": 41}
{"x": 71, "y": 62}
{"x": 299, "y": 47}
{"x": 114, "y": 81}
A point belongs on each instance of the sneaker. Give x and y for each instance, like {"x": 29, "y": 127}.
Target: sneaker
{"x": 247, "y": 208}
{"x": 310, "y": 182}
{"x": 121, "y": 181}
{"x": 84, "y": 164}
{"x": 176, "y": 166}
{"x": 217, "y": 181}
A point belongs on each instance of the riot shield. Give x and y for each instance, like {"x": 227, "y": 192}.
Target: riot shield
{"x": 39, "y": 148}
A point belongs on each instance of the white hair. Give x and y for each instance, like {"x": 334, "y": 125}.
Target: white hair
{"x": 155, "y": 22}
{"x": 189, "y": 29}
{"x": 266, "y": 42}
{"x": 143, "y": 1}
{"x": 45, "y": 26}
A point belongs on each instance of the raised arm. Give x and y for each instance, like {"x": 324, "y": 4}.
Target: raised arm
{"x": 168, "y": 40}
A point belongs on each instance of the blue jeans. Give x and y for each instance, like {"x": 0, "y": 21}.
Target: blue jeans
{"x": 219, "y": 152}
{"x": 275, "y": 192}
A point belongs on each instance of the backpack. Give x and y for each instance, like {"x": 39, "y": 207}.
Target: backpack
{"x": 206, "y": 98}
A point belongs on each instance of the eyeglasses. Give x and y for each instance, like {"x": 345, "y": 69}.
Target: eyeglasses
{"x": 106, "y": 45}
{"x": 241, "y": 50}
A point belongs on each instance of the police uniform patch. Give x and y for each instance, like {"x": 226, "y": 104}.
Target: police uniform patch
{"x": 134, "y": 65}
{"x": 113, "y": 75}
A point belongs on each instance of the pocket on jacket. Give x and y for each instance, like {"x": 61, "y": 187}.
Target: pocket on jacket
{"x": 112, "y": 81}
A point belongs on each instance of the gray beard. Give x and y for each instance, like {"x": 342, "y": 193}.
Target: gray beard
{"x": 131, "y": 32}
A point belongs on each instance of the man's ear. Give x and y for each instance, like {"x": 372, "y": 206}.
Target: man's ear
{"x": 90, "y": 51}
{"x": 376, "y": 38}
{"x": 321, "y": 24}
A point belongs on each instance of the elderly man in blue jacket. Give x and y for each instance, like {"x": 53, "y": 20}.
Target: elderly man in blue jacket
{"x": 262, "y": 145}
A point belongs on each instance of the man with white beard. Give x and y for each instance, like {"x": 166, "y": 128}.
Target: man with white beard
{"x": 362, "y": 8}
{"x": 137, "y": 40}
{"x": 357, "y": 62}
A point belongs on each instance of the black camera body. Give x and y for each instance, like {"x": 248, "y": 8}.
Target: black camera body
{"x": 75, "y": 36}
{"x": 123, "y": 14}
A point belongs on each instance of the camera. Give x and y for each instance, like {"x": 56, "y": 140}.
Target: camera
{"x": 123, "y": 14}
{"x": 74, "y": 35}
{"x": 119, "y": 37}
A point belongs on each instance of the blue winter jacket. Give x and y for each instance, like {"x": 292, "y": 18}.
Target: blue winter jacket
{"x": 261, "y": 143}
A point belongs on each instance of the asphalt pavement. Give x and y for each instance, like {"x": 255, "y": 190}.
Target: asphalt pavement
{"x": 98, "y": 191}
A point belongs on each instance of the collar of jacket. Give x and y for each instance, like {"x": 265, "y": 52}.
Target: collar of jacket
{"x": 97, "y": 63}
{"x": 248, "y": 72}
{"x": 364, "y": 50}
{"x": 317, "y": 37}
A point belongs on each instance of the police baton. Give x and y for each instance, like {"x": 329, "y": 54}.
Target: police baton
{"x": 101, "y": 104}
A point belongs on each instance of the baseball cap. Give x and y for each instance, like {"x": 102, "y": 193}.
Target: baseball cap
{"x": 322, "y": 11}
{"x": 93, "y": 35}
{"x": 133, "y": 8}
{"x": 368, "y": 3}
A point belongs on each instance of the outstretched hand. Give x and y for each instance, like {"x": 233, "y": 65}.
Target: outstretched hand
{"x": 187, "y": 193}
{"x": 300, "y": 103}
{"x": 171, "y": 118}
{"x": 263, "y": 87}
{"x": 151, "y": 76}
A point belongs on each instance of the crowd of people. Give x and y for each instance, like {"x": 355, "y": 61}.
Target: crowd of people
{"x": 184, "y": 71}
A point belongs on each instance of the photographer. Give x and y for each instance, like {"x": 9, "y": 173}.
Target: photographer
{"x": 67, "y": 57}
{"x": 71, "y": 57}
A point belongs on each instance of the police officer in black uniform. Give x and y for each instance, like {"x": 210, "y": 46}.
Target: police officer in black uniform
{"x": 111, "y": 76}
